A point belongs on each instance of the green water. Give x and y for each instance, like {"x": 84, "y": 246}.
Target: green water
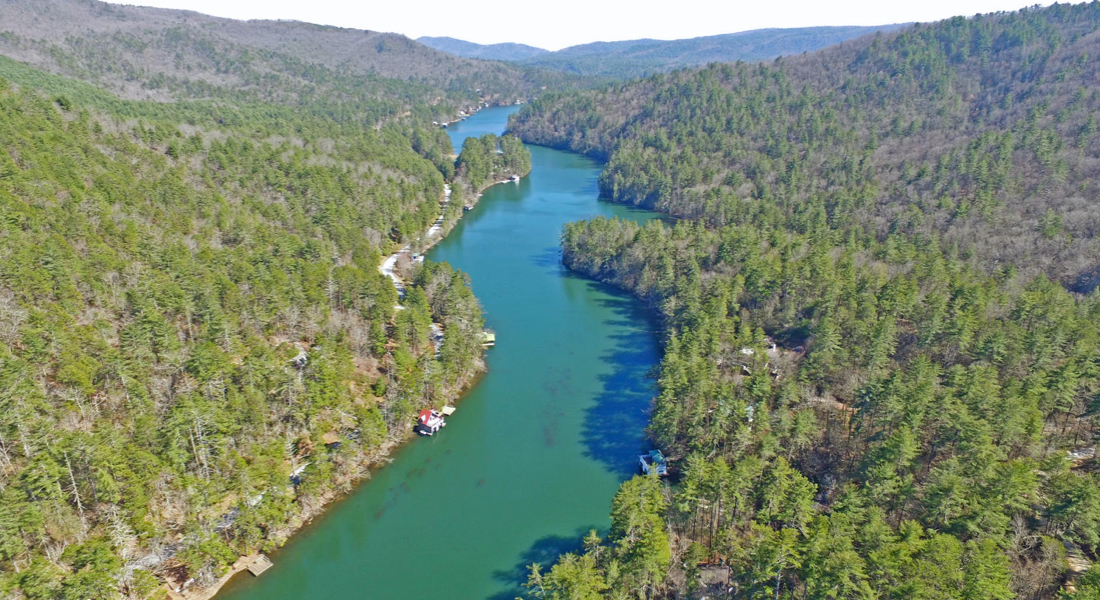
{"x": 535, "y": 452}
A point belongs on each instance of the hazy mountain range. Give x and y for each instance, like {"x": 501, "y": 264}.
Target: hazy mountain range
{"x": 636, "y": 58}
{"x": 142, "y": 52}
{"x": 507, "y": 51}
{"x": 150, "y": 53}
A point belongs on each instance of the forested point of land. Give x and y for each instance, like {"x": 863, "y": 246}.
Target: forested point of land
{"x": 881, "y": 368}
{"x": 978, "y": 134}
{"x": 490, "y": 159}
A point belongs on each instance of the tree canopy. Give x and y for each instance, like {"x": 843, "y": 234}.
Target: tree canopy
{"x": 880, "y": 372}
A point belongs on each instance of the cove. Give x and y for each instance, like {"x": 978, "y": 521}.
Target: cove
{"x": 533, "y": 456}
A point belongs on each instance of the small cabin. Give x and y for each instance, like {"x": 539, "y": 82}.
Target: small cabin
{"x": 429, "y": 422}
{"x": 714, "y": 577}
{"x": 299, "y": 361}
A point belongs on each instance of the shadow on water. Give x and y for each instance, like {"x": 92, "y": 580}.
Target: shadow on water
{"x": 544, "y": 552}
{"x": 613, "y": 426}
{"x": 549, "y": 258}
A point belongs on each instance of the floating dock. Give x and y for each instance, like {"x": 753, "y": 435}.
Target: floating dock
{"x": 260, "y": 565}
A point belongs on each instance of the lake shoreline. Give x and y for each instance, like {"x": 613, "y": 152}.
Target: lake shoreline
{"x": 541, "y": 443}
{"x": 382, "y": 456}
{"x": 449, "y": 226}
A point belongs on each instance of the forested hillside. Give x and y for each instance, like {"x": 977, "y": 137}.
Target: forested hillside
{"x": 979, "y": 133}
{"x": 481, "y": 165}
{"x": 638, "y": 58}
{"x": 148, "y": 53}
{"x": 881, "y": 370}
{"x": 198, "y": 349}
{"x": 188, "y": 313}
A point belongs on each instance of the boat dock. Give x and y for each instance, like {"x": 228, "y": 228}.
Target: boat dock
{"x": 260, "y": 565}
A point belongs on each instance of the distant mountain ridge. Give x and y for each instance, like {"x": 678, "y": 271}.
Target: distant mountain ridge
{"x": 151, "y": 53}
{"x": 506, "y": 52}
{"x": 638, "y": 58}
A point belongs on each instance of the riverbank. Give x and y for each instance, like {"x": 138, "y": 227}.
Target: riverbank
{"x": 463, "y": 115}
{"x": 365, "y": 462}
{"x": 382, "y": 454}
{"x": 378, "y": 458}
{"x": 471, "y": 204}
{"x": 438, "y": 231}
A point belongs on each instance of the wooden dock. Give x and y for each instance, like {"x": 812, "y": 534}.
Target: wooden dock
{"x": 260, "y": 565}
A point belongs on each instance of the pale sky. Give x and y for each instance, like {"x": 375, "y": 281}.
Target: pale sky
{"x": 555, "y": 24}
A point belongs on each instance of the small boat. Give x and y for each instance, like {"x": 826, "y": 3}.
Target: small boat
{"x": 654, "y": 461}
{"x": 429, "y": 422}
{"x": 515, "y": 178}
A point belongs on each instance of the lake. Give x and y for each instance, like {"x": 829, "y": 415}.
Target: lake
{"x": 536, "y": 450}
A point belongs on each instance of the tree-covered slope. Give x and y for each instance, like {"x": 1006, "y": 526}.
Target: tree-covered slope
{"x": 639, "y": 58}
{"x": 488, "y": 160}
{"x": 192, "y": 290}
{"x": 193, "y": 310}
{"x": 506, "y": 51}
{"x": 874, "y": 383}
{"x": 980, "y": 132}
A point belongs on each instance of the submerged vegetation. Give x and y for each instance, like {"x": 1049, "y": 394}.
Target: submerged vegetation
{"x": 880, "y": 377}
